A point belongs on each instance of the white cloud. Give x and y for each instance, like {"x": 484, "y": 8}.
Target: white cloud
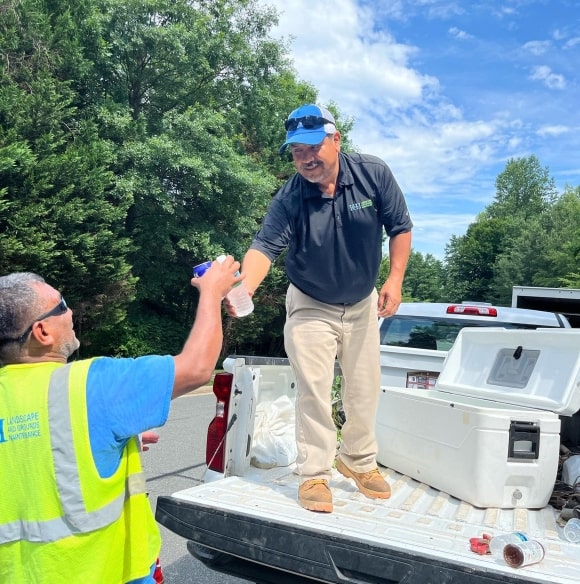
{"x": 399, "y": 114}
{"x": 442, "y": 10}
{"x": 552, "y": 80}
{"x": 537, "y": 47}
{"x": 570, "y": 44}
{"x": 349, "y": 58}
{"x": 559, "y": 34}
{"x": 553, "y": 130}
{"x": 445, "y": 152}
{"x": 459, "y": 34}
{"x": 506, "y": 11}
{"x": 428, "y": 158}
{"x": 433, "y": 231}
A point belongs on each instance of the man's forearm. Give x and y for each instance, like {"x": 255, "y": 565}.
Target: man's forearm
{"x": 399, "y": 251}
{"x": 195, "y": 364}
{"x": 255, "y": 267}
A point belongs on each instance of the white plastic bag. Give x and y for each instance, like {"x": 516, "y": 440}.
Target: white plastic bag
{"x": 274, "y": 439}
{"x": 571, "y": 470}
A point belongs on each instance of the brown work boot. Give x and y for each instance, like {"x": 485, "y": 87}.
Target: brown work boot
{"x": 371, "y": 483}
{"x": 315, "y": 495}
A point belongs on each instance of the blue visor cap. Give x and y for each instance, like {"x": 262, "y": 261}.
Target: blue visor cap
{"x": 309, "y": 124}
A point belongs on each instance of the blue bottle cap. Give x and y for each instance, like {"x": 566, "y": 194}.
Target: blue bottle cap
{"x": 201, "y": 269}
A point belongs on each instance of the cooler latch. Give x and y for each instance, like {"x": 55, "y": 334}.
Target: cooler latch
{"x": 524, "y": 440}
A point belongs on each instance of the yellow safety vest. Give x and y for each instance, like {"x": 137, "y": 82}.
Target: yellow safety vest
{"x": 59, "y": 520}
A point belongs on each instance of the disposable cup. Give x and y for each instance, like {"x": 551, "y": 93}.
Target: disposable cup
{"x": 572, "y": 530}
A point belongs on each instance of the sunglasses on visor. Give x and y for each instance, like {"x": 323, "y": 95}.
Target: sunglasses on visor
{"x": 307, "y": 122}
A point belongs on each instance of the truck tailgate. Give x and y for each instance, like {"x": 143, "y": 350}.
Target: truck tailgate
{"x": 417, "y": 536}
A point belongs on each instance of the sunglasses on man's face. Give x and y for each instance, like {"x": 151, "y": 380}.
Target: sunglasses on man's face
{"x": 59, "y": 309}
{"x": 307, "y": 122}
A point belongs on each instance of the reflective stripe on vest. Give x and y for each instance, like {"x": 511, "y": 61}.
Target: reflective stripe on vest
{"x": 76, "y": 519}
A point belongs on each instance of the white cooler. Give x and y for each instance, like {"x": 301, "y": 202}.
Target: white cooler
{"x": 489, "y": 433}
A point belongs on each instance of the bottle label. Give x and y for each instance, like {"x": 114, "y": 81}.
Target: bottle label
{"x": 238, "y": 295}
{"x": 524, "y": 553}
{"x": 499, "y": 542}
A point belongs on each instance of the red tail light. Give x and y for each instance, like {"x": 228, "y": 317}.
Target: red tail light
{"x": 473, "y": 310}
{"x": 216, "y": 432}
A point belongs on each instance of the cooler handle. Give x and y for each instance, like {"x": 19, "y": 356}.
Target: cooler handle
{"x": 524, "y": 441}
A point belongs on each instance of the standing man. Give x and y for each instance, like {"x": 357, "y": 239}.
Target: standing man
{"x": 74, "y": 506}
{"x": 330, "y": 216}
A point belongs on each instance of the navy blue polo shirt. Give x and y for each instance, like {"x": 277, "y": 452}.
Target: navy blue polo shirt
{"x": 335, "y": 243}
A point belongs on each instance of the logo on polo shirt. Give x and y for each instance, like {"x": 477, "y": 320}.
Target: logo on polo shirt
{"x": 359, "y": 206}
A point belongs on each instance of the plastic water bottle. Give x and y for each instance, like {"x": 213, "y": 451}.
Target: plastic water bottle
{"x": 498, "y": 543}
{"x": 572, "y": 530}
{"x": 238, "y": 296}
{"x": 524, "y": 553}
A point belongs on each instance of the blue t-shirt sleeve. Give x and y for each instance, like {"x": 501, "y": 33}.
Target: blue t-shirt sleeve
{"x": 124, "y": 398}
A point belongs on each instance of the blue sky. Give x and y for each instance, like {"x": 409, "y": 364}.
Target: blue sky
{"x": 446, "y": 92}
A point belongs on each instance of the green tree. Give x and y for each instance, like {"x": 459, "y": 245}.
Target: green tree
{"x": 423, "y": 278}
{"x": 563, "y": 241}
{"x": 136, "y": 139}
{"x": 524, "y": 189}
{"x": 63, "y": 212}
{"x": 520, "y": 262}
{"x": 471, "y": 258}
{"x": 504, "y": 244}
{"x": 193, "y": 95}
{"x": 546, "y": 252}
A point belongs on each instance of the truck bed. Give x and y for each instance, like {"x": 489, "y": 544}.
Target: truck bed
{"x": 418, "y": 536}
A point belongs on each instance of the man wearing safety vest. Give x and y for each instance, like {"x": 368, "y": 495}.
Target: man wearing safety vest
{"x": 73, "y": 505}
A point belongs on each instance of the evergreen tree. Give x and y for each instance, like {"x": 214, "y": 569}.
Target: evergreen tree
{"x": 63, "y": 213}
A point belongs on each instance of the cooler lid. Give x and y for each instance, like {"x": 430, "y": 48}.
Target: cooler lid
{"x": 531, "y": 368}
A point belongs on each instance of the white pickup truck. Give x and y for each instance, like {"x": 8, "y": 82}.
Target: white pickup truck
{"x": 245, "y": 520}
{"x": 415, "y": 341}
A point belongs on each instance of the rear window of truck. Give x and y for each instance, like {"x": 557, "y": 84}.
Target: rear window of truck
{"x": 435, "y": 333}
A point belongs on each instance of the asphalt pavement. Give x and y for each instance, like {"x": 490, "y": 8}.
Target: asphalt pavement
{"x": 177, "y": 462}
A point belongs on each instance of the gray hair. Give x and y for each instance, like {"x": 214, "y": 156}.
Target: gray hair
{"x": 19, "y": 302}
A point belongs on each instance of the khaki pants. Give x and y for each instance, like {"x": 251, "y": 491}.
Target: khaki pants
{"x": 315, "y": 334}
